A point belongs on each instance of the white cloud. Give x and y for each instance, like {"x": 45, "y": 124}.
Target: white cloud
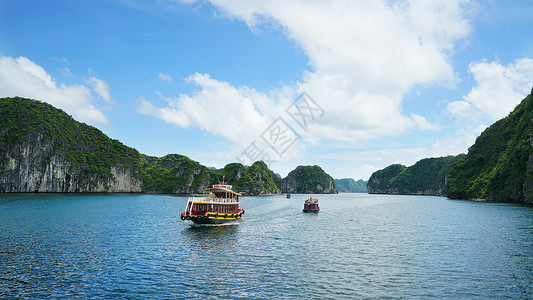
{"x": 365, "y": 56}
{"x": 216, "y": 107}
{"x": 22, "y": 77}
{"x": 499, "y": 89}
{"x": 461, "y": 109}
{"x": 165, "y": 77}
{"x": 169, "y": 114}
{"x": 100, "y": 87}
{"x": 369, "y": 45}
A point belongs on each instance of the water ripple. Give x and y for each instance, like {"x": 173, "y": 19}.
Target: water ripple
{"x": 358, "y": 246}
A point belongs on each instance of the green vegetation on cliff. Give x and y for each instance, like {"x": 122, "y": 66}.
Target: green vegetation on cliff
{"x": 89, "y": 151}
{"x": 498, "y": 167}
{"x": 176, "y": 173}
{"x": 255, "y": 179}
{"x": 380, "y": 180}
{"x": 45, "y": 146}
{"x": 308, "y": 179}
{"x": 349, "y": 185}
{"x": 426, "y": 177}
{"x": 43, "y": 149}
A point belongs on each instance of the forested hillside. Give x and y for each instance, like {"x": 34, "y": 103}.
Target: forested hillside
{"x": 43, "y": 149}
{"x": 256, "y": 179}
{"x": 499, "y": 166}
{"x": 308, "y": 179}
{"x": 426, "y": 177}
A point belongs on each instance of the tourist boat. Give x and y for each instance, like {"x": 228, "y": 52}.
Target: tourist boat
{"x": 218, "y": 205}
{"x": 288, "y": 196}
{"x": 311, "y": 205}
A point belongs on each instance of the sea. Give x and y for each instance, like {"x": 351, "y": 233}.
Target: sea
{"x": 360, "y": 246}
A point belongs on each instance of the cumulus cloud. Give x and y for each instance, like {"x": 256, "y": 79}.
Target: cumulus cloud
{"x": 216, "y": 107}
{"x": 498, "y": 89}
{"x": 364, "y": 55}
{"x": 23, "y": 77}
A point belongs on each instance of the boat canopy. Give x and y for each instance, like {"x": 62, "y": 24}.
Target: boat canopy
{"x": 217, "y": 190}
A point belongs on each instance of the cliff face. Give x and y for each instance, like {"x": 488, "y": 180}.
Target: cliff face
{"x": 308, "y": 179}
{"x": 288, "y": 185}
{"x": 426, "y": 177}
{"x": 35, "y": 158}
{"x": 499, "y": 166}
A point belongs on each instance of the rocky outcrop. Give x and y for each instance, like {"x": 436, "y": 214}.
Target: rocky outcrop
{"x": 42, "y": 149}
{"x": 35, "y": 165}
{"x": 308, "y": 179}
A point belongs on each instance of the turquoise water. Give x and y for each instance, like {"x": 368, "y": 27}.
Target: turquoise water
{"x": 358, "y": 246}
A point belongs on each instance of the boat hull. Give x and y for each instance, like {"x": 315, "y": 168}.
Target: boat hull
{"x": 213, "y": 218}
{"x": 311, "y": 210}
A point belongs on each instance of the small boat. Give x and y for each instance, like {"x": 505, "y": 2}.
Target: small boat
{"x": 311, "y": 205}
{"x": 218, "y": 205}
{"x": 288, "y": 196}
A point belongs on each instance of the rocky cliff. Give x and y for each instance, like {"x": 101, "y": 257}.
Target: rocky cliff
{"x": 42, "y": 149}
{"x": 308, "y": 179}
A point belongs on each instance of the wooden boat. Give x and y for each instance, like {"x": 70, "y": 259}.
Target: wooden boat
{"x": 311, "y": 205}
{"x": 218, "y": 205}
{"x": 288, "y": 196}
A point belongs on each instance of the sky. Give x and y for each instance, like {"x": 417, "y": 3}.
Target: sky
{"x": 352, "y": 86}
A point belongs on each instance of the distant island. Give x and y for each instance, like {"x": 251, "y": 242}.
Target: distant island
{"x": 349, "y": 185}
{"x": 498, "y": 167}
{"x": 43, "y": 149}
{"x": 308, "y": 179}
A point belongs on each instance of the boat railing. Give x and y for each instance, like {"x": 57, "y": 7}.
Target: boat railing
{"x": 213, "y": 200}
{"x": 311, "y": 200}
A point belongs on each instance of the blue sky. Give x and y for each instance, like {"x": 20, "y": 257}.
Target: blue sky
{"x": 352, "y": 86}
